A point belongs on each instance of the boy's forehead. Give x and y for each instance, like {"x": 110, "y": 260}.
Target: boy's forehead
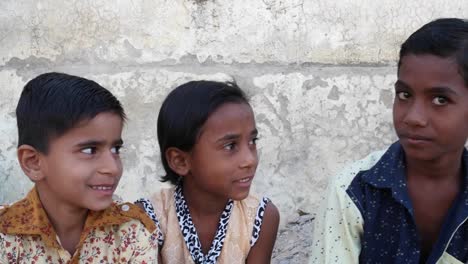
{"x": 104, "y": 127}
{"x": 431, "y": 74}
{"x": 84, "y": 121}
{"x": 428, "y": 63}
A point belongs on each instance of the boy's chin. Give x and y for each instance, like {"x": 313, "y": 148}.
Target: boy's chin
{"x": 100, "y": 206}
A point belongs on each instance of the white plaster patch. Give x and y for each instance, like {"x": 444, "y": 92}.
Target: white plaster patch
{"x": 14, "y": 184}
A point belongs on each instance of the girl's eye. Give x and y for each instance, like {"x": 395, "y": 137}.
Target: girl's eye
{"x": 229, "y": 146}
{"x": 89, "y": 150}
{"x": 403, "y": 95}
{"x": 440, "y": 100}
{"x": 116, "y": 149}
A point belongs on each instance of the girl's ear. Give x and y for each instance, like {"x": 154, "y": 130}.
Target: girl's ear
{"x": 30, "y": 161}
{"x": 178, "y": 160}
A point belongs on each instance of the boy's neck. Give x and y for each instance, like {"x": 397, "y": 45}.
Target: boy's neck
{"x": 447, "y": 168}
{"x": 68, "y": 221}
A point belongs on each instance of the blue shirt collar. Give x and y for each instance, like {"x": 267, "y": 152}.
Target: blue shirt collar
{"x": 389, "y": 173}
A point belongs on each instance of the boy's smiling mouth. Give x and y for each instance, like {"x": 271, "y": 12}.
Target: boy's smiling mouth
{"x": 104, "y": 188}
{"x": 107, "y": 189}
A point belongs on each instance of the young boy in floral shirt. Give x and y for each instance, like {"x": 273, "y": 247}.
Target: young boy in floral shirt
{"x": 69, "y": 140}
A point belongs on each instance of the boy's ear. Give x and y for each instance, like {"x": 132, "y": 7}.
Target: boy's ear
{"x": 178, "y": 160}
{"x": 30, "y": 161}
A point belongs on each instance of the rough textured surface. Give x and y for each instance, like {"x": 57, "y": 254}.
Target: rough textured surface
{"x": 319, "y": 73}
{"x": 294, "y": 241}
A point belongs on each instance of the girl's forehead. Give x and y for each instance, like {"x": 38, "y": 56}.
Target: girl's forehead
{"x": 230, "y": 117}
{"x": 232, "y": 111}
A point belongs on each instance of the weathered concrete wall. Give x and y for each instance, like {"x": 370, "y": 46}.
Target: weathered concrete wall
{"x": 320, "y": 75}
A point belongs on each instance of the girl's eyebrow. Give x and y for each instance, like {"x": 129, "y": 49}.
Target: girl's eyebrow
{"x": 228, "y": 137}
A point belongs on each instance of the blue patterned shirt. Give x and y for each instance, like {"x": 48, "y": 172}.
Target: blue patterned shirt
{"x": 368, "y": 217}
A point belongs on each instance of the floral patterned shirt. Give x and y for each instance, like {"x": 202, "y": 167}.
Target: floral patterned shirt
{"x": 122, "y": 233}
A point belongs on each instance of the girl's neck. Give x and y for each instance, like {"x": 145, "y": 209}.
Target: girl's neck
{"x": 202, "y": 203}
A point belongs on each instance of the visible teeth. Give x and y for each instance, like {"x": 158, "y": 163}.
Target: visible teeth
{"x": 244, "y": 180}
{"x": 101, "y": 188}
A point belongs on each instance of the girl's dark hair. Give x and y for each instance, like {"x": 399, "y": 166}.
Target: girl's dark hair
{"x": 445, "y": 37}
{"x": 184, "y": 112}
{"x": 53, "y": 103}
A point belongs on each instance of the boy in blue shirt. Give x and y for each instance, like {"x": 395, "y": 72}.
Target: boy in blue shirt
{"x": 409, "y": 203}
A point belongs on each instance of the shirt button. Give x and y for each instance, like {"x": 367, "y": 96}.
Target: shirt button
{"x": 125, "y": 207}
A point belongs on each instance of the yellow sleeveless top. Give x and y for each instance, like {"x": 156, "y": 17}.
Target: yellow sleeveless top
{"x": 238, "y": 229}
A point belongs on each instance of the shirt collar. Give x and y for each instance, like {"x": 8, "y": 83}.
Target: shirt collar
{"x": 389, "y": 173}
{"x": 28, "y": 217}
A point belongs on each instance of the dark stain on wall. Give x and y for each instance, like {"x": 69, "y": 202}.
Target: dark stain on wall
{"x": 200, "y": 2}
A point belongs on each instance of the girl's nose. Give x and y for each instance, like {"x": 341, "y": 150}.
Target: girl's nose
{"x": 250, "y": 158}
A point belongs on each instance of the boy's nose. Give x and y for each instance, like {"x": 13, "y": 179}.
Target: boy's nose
{"x": 110, "y": 164}
{"x": 416, "y": 115}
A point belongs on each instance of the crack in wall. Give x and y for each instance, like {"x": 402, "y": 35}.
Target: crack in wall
{"x": 34, "y": 65}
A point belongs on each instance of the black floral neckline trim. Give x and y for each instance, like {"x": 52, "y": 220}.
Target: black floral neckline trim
{"x": 189, "y": 231}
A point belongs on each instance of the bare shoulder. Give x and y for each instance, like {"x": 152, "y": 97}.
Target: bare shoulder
{"x": 270, "y": 224}
{"x": 263, "y": 248}
{"x": 271, "y": 217}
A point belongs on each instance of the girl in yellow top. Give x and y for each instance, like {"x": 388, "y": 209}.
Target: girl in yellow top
{"x": 207, "y": 137}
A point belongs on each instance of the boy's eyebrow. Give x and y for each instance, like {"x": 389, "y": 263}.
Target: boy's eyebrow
{"x": 442, "y": 90}
{"x": 254, "y": 132}
{"x": 432, "y": 90}
{"x": 401, "y": 83}
{"x": 98, "y": 143}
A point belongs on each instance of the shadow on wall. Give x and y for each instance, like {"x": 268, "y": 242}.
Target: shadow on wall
{"x": 200, "y": 1}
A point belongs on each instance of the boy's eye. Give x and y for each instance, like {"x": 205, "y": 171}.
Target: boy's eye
{"x": 116, "y": 149}
{"x": 440, "y": 100}
{"x": 88, "y": 150}
{"x": 253, "y": 141}
{"x": 229, "y": 146}
{"x": 403, "y": 95}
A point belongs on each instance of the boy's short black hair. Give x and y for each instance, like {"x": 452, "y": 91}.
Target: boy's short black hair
{"x": 445, "y": 37}
{"x": 184, "y": 112}
{"x": 53, "y": 103}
